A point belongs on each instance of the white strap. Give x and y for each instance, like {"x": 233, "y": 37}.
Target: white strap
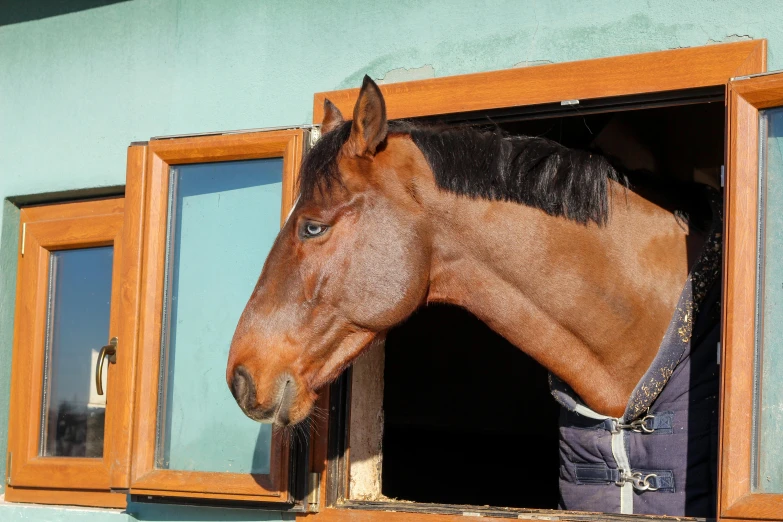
{"x": 621, "y": 458}
{"x": 619, "y": 454}
{"x": 581, "y": 409}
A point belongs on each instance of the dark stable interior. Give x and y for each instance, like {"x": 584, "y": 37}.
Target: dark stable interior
{"x": 468, "y": 417}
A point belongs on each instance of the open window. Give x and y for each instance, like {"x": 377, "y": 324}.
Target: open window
{"x": 751, "y": 453}
{"x": 397, "y": 443}
{"x": 71, "y": 364}
{"x": 409, "y": 436}
{"x": 211, "y": 207}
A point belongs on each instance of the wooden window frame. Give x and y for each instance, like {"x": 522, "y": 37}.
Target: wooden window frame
{"x": 746, "y": 97}
{"x": 640, "y": 74}
{"x": 149, "y": 203}
{"x": 64, "y": 480}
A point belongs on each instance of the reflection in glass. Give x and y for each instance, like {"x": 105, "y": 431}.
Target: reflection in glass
{"x": 768, "y": 413}
{"x": 77, "y": 326}
{"x": 223, "y": 218}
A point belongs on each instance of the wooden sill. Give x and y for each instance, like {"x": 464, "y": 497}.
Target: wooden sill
{"x": 64, "y": 497}
{"x": 369, "y": 511}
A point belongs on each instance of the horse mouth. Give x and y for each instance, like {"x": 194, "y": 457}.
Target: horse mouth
{"x": 281, "y": 417}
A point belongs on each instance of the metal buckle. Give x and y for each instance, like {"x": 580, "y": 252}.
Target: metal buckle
{"x": 639, "y": 425}
{"x": 647, "y": 482}
{"x": 622, "y": 477}
{"x": 639, "y": 481}
{"x": 642, "y": 483}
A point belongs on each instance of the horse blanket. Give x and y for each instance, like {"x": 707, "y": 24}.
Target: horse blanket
{"x": 660, "y": 457}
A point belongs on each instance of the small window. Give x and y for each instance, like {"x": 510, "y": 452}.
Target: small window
{"x": 67, "y": 391}
{"x": 205, "y": 283}
{"x": 212, "y": 209}
{"x": 752, "y": 458}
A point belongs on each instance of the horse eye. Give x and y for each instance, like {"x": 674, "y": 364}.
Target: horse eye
{"x": 313, "y": 230}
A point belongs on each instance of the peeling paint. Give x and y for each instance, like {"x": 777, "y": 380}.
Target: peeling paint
{"x": 403, "y": 74}
{"x": 730, "y": 38}
{"x": 531, "y": 63}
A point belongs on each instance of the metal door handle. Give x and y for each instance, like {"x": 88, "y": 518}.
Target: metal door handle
{"x": 110, "y": 351}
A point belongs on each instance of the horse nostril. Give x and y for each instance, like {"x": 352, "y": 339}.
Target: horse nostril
{"x": 242, "y": 388}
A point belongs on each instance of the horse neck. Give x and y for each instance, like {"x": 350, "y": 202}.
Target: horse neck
{"x": 590, "y": 303}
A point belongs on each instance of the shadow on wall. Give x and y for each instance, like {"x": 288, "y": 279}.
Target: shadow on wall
{"x": 17, "y": 11}
{"x": 169, "y": 513}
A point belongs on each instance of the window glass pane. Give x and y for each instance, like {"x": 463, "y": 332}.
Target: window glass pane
{"x": 223, "y": 220}
{"x": 769, "y": 399}
{"x": 77, "y": 327}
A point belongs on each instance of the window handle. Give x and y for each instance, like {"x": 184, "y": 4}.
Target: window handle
{"x": 110, "y": 351}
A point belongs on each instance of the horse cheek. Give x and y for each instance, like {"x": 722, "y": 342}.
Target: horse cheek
{"x": 385, "y": 282}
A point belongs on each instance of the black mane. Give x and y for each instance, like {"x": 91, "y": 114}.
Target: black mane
{"x": 488, "y": 164}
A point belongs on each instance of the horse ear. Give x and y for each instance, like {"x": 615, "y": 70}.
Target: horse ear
{"x": 332, "y": 117}
{"x": 369, "y": 120}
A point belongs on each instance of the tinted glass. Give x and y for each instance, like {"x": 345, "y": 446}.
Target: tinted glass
{"x": 77, "y": 327}
{"x": 769, "y": 376}
{"x": 223, "y": 220}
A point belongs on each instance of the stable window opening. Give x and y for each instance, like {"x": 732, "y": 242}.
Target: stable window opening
{"x": 448, "y": 412}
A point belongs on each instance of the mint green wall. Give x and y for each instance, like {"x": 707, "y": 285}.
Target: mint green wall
{"x": 77, "y": 88}
{"x": 8, "y": 241}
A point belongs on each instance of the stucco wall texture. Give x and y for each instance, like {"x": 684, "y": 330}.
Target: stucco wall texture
{"x": 77, "y": 88}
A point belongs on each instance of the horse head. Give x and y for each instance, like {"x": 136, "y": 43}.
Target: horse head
{"x": 351, "y": 261}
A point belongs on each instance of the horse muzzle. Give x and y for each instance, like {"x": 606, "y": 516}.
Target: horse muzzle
{"x": 274, "y": 411}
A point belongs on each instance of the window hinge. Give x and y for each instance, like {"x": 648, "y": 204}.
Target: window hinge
{"x": 313, "y": 492}
{"x": 8, "y": 468}
{"x": 718, "y": 353}
{"x": 315, "y": 135}
{"x": 569, "y": 102}
{"x": 24, "y": 237}
{"x": 722, "y": 176}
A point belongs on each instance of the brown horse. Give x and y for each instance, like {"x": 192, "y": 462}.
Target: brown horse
{"x": 542, "y": 243}
{"x": 546, "y": 245}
